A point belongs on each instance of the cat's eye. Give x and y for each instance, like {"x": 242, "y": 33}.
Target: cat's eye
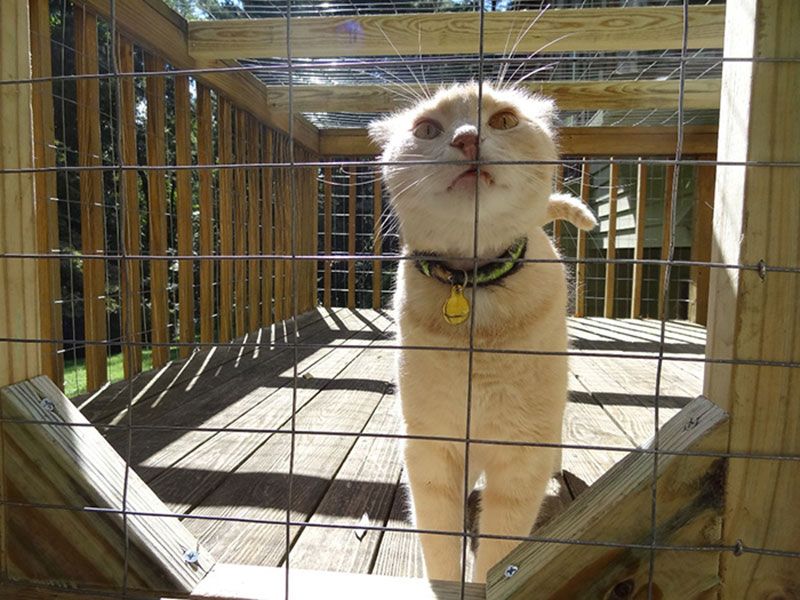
{"x": 427, "y": 129}
{"x": 505, "y": 119}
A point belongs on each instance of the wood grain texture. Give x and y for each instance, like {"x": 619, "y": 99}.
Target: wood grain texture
{"x": 240, "y": 224}
{"x": 580, "y": 253}
{"x": 701, "y": 242}
{"x": 205, "y": 145}
{"x": 68, "y": 463}
{"x": 611, "y": 241}
{"x": 155, "y": 93}
{"x": 225, "y": 149}
{"x": 327, "y": 224}
{"x": 163, "y": 32}
{"x": 756, "y": 217}
{"x": 131, "y": 298}
{"x": 573, "y": 141}
{"x": 47, "y": 239}
{"x": 92, "y": 199}
{"x": 377, "y": 236}
{"x": 280, "y": 155}
{"x": 564, "y": 30}
{"x": 666, "y": 235}
{"x": 568, "y": 95}
{"x": 638, "y": 252}
{"x": 253, "y": 226}
{"x": 183, "y": 218}
{"x": 617, "y": 509}
{"x": 351, "y": 237}
{"x": 266, "y": 227}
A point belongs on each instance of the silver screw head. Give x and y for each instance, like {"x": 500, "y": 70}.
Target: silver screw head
{"x": 191, "y": 557}
{"x": 47, "y": 405}
{"x": 511, "y": 570}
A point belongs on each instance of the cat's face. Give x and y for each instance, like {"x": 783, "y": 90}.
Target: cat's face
{"x": 435, "y": 203}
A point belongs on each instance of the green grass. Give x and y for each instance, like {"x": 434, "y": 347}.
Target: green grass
{"x": 75, "y": 370}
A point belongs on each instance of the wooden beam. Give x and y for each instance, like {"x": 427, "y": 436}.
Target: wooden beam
{"x": 573, "y": 141}
{"x": 568, "y": 95}
{"x": 157, "y": 211}
{"x": 131, "y": 299}
{"x": 701, "y": 242}
{"x": 183, "y": 214}
{"x": 611, "y": 249}
{"x": 163, "y": 32}
{"x": 752, "y": 316}
{"x": 44, "y": 155}
{"x": 327, "y": 239}
{"x": 225, "y": 150}
{"x": 617, "y": 510}
{"x": 266, "y": 227}
{"x": 240, "y": 223}
{"x": 57, "y": 458}
{"x": 351, "y": 238}
{"x": 666, "y": 234}
{"x": 560, "y": 30}
{"x": 92, "y": 198}
{"x": 205, "y": 157}
{"x": 638, "y": 252}
{"x": 377, "y": 236}
{"x": 580, "y": 251}
{"x": 253, "y": 226}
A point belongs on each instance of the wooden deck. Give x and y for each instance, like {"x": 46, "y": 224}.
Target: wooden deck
{"x": 205, "y": 458}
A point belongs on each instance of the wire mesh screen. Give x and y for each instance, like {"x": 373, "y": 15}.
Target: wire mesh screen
{"x": 205, "y": 265}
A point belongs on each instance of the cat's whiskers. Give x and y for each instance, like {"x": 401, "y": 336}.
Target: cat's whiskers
{"x": 406, "y": 91}
{"x": 520, "y": 37}
{"x": 400, "y": 56}
{"x": 513, "y": 83}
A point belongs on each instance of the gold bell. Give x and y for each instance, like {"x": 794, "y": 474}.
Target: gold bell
{"x": 456, "y": 307}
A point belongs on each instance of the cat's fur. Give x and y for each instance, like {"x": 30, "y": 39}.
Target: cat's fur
{"x": 514, "y": 397}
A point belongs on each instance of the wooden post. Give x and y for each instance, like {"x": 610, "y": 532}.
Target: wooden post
{"x": 611, "y": 250}
{"x": 266, "y": 226}
{"x": 92, "y": 201}
{"x": 754, "y": 316}
{"x": 46, "y": 208}
{"x": 131, "y": 300}
{"x": 253, "y": 225}
{"x": 351, "y": 238}
{"x": 205, "y": 158}
{"x": 19, "y": 314}
{"x": 666, "y": 233}
{"x": 156, "y": 195}
{"x": 641, "y": 226}
{"x": 580, "y": 252}
{"x": 280, "y": 227}
{"x": 327, "y": 245}
{"x": 701, "y": 241}
{"x": 183, "y": 210}
{"x": 377, "y": 211}
{"x": 240, "y": 223}
{"x": 224, "y": 142}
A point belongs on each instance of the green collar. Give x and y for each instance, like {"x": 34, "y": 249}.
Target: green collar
{"x": 489, "y": 274}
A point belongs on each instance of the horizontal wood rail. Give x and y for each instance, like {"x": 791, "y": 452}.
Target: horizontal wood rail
{"x": 568, "y": 95}
{"x": 580, "y": 141}
{"x": 559, "y": 30}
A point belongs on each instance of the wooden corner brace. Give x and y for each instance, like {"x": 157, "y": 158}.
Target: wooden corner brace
{"x": 62, "y": 493}
{"x": 616, "y": 511}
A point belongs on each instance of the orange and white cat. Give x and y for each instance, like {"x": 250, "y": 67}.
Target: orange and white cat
{"x": 519, "y": 309}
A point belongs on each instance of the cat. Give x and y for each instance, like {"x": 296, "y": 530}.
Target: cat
{"x": 515, "y": 397}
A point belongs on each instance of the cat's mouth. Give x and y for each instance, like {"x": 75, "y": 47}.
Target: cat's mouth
{"x": 468, "y": 178}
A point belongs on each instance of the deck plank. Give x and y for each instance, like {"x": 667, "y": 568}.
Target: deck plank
{"x": 400, "y": 553}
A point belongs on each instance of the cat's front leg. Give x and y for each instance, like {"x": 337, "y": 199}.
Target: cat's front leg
{"x": 436, "y": 474}
{"x": 515, "y": 486}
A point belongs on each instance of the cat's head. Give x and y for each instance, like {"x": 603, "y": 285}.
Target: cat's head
{"x": 435, "y": 203}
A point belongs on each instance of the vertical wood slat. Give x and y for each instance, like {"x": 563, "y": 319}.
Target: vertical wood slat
{"x": 240, "y": 224}
{"x": 266, "y": 226}
{"x": 183, "y": 209}
{"x": 224, "y": 144}
{"x": 701, "y": 242}
{"x": 327, "y": 240}
{"x": 377, "y": 275}
{"x": 280, "y": 228}
{"x": 46, "y": 209}
{"x": 91, "y": 192}
{"x": 641, "y": 225}
{"x": 253, "y": 226}
{"x": 580, "y": 266}
{"x": 288, "y": 234}
{"x": 131, "y": 300}
{"x": 351, "y": 238}
{"x": 205, "y": 157}
{"x": 156, "y": 195}
{"x": 611, "y": 250}
{"x": 665, "y": 239}
{"x": 19, "y": 317}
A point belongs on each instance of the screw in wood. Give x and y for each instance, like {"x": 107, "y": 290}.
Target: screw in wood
{"x": 47, "y": 405}
{"x": 191, "y": 557}
{"x": 624, "y": 589}
{"x": 511, "y": 570}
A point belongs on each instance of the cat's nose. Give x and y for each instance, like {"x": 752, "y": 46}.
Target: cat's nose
{"x": 466, "y": 140}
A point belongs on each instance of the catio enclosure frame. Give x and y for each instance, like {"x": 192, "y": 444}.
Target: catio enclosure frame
{"x": 749, "y": 543}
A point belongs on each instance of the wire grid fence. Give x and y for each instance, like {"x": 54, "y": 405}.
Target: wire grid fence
{"x": 117, "y": 257}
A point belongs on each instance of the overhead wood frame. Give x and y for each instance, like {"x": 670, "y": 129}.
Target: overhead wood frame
{"x": 568, "y": 95}
{"x": 559, "y": 30}
{"x": 573, "y": 141}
